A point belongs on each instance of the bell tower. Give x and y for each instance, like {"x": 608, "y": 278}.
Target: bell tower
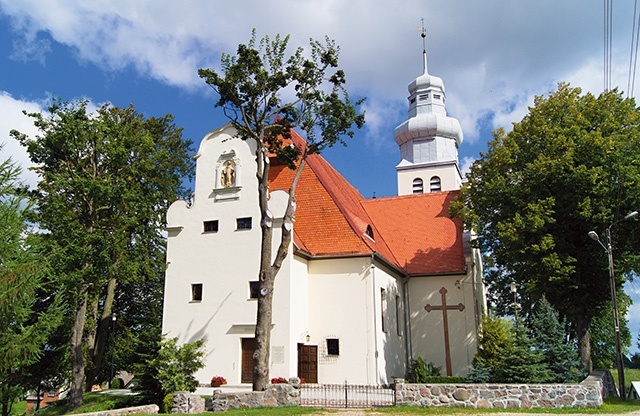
{"x": 428, "y": 139}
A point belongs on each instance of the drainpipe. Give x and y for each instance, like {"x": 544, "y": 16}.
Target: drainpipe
{"x": 375, "y": 318}
{"x": 407, "y": 324}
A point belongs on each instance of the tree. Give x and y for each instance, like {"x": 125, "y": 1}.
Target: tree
{"x": 549, "y": 336}
{"x": 106, "y": 182}
{"x": 24, "y": 331}
{"x": 570, "y": 166}
{"x": 265, "y": 94}
{"x": 524, "y": 362}
{"x": 496, "y": 338}
{"x": 175, "y": 365}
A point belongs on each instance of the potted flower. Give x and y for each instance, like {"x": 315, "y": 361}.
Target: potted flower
{"x": 218, "y": 381}
{"x": 279, "y": 380}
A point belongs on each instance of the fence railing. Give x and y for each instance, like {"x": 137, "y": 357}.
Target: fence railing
{"x": 346, "y": 396}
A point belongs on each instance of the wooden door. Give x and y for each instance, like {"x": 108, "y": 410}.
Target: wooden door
{"x": 248, "y": 347}
{"x": 308, "y": 363}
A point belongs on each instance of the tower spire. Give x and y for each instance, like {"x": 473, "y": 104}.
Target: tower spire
{"x": 423, "y": 33}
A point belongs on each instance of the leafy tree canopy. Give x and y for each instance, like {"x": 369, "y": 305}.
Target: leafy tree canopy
{"x": 107, "y": 179}
{"x": 570, "y": 166}
{"x": 264, "y": 92}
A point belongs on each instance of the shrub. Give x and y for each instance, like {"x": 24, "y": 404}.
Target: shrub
{"x": 116, "y": 383}
{"x": 443, "y": 380}
{"x": 167, "y": 403}
{"x": 421, "y": 370}
{"x": 279, "y": 380}
{"x": 174, "y": 365}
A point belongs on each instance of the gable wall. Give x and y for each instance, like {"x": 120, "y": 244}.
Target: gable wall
{"x": 224, "y": 262}
{"x": 427, "y": 328}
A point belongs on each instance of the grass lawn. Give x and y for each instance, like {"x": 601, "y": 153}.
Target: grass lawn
{"x": 94, "y": 402}
{"x": 630, "y": 374}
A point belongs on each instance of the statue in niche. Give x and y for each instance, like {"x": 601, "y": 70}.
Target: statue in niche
{"x": 228, "y": 174}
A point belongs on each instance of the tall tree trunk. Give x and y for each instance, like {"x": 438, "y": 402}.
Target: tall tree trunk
{"x": 584, "y": 343}
{"x": 77, "y": 359}
{"x": 268, "y": 273}
{"x": 99, "y": 343}
{"x": 263, "y": 333}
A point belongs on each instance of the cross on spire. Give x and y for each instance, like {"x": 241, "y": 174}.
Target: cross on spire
{"x": 423, "y": 33}
{"x": 444, "y": 308}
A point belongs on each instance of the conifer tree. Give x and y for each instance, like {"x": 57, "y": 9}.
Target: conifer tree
{"x": 524, "y": 362}
{"x": 549, "y": 336}
{"x": 496, "y": 338}
{"x": 23, "y": 331}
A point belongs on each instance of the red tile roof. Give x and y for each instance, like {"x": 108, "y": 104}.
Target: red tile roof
{"x": 419, "y": 231}
{"x": 413, "y": 233}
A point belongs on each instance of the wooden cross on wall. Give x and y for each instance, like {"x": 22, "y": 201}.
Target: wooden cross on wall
{"x": 444, "y": 308}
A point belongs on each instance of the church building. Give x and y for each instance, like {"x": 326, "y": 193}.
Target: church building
{"x": 369, "y": 284}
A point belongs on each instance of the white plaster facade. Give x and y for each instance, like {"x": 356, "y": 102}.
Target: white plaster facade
{"x": 313, "y": 299}
{"x": 362, "y": 311}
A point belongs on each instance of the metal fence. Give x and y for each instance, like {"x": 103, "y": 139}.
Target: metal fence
{"x": 346, "y": 396}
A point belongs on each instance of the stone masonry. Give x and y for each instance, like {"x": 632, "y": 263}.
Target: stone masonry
{"x": 589, "y": 393}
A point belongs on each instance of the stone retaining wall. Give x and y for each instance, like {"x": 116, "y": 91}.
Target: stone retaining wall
{"x": 276, "y": 395}
{"x": 589, "y": 393}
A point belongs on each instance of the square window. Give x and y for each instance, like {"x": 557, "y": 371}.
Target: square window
{"x": 243, "y": 223}
{"x": 254, "y": 290}
{"x": 211, "y": 226}
{"x": 333, "y": 346}
{"x": 196, "y": 292}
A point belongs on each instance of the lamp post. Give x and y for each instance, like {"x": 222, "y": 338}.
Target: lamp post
{"x": 616, "y": 321}
{"x": 113, "y": 346}
{"x": 514, "y": 290}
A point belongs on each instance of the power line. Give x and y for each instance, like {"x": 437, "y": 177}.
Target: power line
{"x": 633, "y": 58}
{"x": 608, "y": 29}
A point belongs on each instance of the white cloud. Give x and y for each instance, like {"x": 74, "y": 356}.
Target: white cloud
{"x": 380, "y": 119}
{"x": 493, "y": 56}
{"x": 465, "y": 166}
{"x": 11, "y": 117}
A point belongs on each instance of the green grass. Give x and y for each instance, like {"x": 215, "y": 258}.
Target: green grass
{"x": 630, "y": 374}
{"x": 19, "y": 408}
{"x": 272, "y": 411}
{"x": 94, "y": 402}
{"x": 611, "y": 406}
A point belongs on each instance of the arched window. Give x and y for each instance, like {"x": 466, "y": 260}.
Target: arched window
{"x": 434, "y": 184}
{"x": 417, "y": 186}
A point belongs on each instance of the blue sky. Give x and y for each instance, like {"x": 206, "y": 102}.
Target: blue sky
{"x": 494, "y": 57}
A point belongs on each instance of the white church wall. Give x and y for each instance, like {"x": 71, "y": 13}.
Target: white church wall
{"x": 341, "y": 306}
{"x": 390, "y": 325}
{"x": 427, "y": 328}
{"x": 298, "y": 311}
{"x": 345, "y": 303}
{"x": 223, "y": 262}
